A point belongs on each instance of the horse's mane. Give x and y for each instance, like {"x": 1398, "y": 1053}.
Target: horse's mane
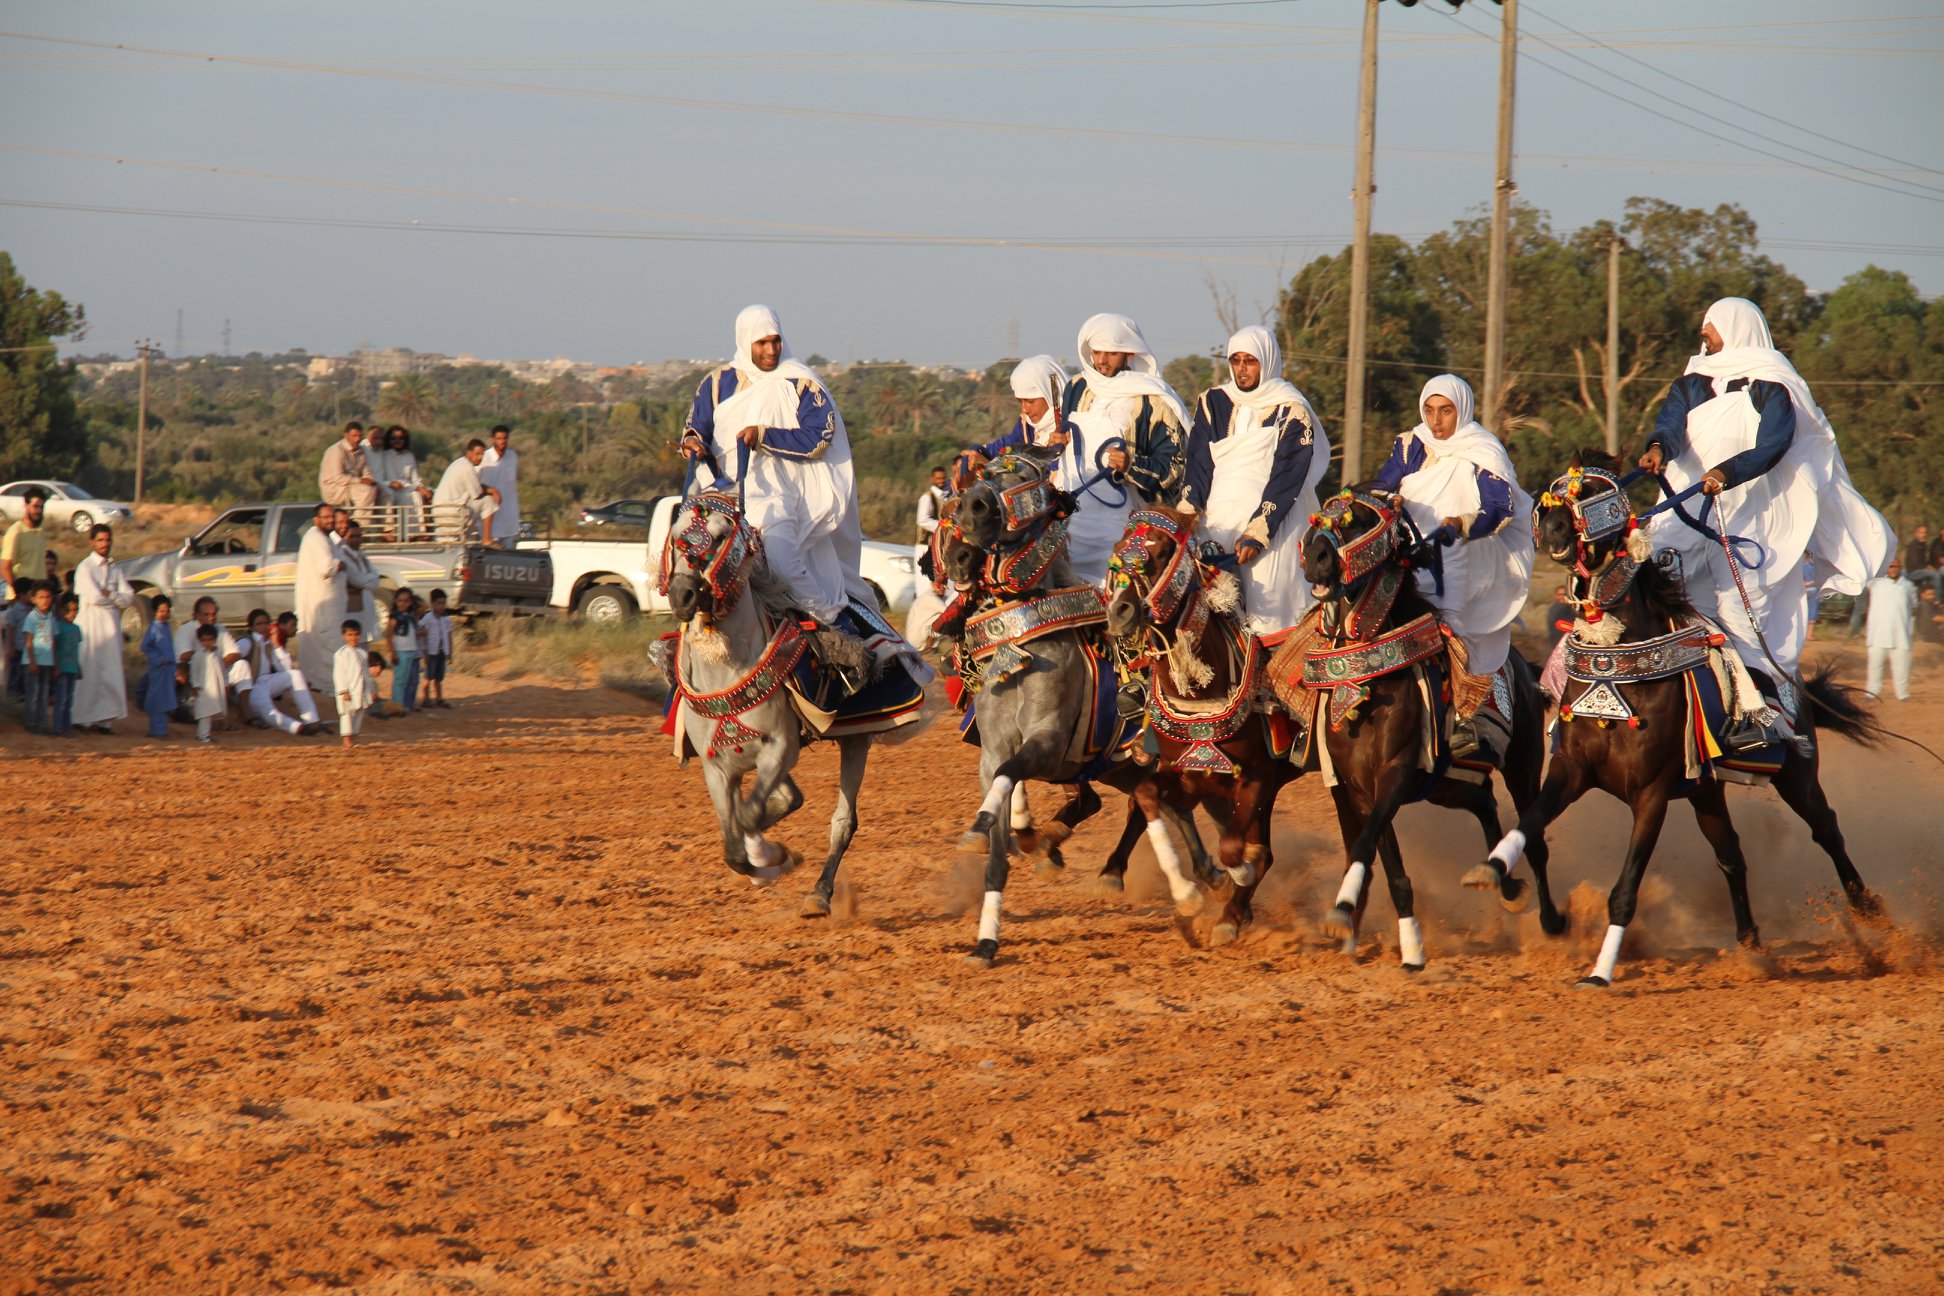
{"x": 1662, "y": 596}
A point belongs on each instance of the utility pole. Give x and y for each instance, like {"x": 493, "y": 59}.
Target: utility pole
{"x": 141, "y": 421}
{"x": 1613, "y": 347}
{"x": 1353, "y": 377}
{"x": 1502, "y": 190}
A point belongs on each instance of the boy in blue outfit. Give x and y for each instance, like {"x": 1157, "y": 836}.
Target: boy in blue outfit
{"x": 159, "y": 682}
{"x": 67, "y": 663}
{"x": 37, "y": 656}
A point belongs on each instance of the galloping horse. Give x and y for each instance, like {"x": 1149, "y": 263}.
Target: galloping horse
{"x": 1641, "y": 667}
{"x": 1373, "y": 656}
{"x": 1045, "y": 708}
{"x": 734, "y": 662}
{"x": 1202, "y": 708}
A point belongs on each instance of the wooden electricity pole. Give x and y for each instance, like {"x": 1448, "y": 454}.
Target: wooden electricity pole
{"x": 1613, "y": 347}
{"x": 1502, "y": 191}
{"x": 1353, "y": 377}
{"x": 141, "y": 422}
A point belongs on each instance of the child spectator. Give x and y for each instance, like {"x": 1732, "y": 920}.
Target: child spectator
{"x": 351, "y": 677}
{"x": 158, "y": 691}
{"x": 23, "y": 603}
{"x": 435, "y": 647}
{"x": 67, "y": 661}
{"x": 37, "y": 654}
{"x": 206, "y": 675}
{"x": 403, "y": 627}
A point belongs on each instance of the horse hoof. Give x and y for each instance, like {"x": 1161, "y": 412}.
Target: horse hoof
{"x": 984, "y": 953}
{"x": 1189, "y": 906}
{"x": 974, "y": 842}
{"x": 1413, "y": 967}
{"x": 983, "y": 824}
{"x": 1552, "y": 922}
{"x": 815, "y": 905}
{"x": 1481, "y": 877}
{"x": 1514, "y": 896}
{"x": 1109, "y": 884}
{"x": 1225, "y": 933}
{"x": 1341, "y": 920}
{"x": 1049, "y": 866}
{"x": 1056, "y": 857}
{"x": 1592, "y": 983}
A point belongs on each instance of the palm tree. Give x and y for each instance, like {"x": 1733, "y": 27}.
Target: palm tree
{"x": 411, "y": 399}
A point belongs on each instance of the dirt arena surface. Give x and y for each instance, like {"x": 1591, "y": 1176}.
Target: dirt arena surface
{"x": 480, "y": 1010}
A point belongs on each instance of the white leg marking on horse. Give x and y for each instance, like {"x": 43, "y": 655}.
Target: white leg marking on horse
{"x": 997, "y": 795}
{"x": 1353, "y": 882}
{"x": 1510, "y": 850}
{"x": 1022, "y": 813}
{"x": 989, "y": 917}
{"x": 1242, "y": 874}
{"x": 1410, "y": 942}
{"x": 1609, "y": 953}
{"x": 1180, "y": 885}
{"x": 760, "y": 852}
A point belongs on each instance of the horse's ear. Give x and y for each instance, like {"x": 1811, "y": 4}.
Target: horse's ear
{"x": 1577, "y": 460}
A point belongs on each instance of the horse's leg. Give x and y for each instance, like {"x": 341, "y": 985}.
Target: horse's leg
{"x": 1114, "y": 871}
{"x": 1047, "y": 841}
{"x": 1025, "y": 839}
{"x": 1188, "y": 896}
{"x": 1710, "y": 804}
{"x": 1650, "y": 812}
{"x": 1257, "y": 859}
{"x": 1350, "y": 895}
{"x": 1799, "y": 784}
{"x": 852, "y": 755}
{"x": 1037, "y": 755}
{"x": 1566, "y": 781}
{"x": 1183, "y": 818}
{"x": 772, "y": 795}
{"x": 1393, "y": 784}
{"x": 724, "y": 795}
{"x": 1410, "y": 939}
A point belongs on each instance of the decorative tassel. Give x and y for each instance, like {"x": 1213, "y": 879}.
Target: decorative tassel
{"x": 1184, "y": 668}
{"x": 1639, "y": 547}
{"x": 1603, "y": 633}
{"x": 707, "y": 642}
{"x": 1223, "y": 593}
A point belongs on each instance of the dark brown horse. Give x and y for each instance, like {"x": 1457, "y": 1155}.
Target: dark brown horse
{"x": 1360, "y": 569}
{"x": 1642, "y": 759}
{"x": 1203, "y": 684}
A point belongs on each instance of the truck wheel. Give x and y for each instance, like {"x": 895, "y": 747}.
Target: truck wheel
{"x": 135, "y": 620}
{"x": 605, "y": 604}
{"x": 81, "y": 520}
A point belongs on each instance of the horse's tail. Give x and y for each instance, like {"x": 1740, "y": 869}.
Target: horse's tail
{"x": 1841, "y": 708}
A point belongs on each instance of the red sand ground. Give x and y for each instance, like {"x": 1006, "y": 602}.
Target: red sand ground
{"x": 480, "y": 1010}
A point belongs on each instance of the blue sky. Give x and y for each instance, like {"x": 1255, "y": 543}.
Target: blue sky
{"x": 1162, "y": 148}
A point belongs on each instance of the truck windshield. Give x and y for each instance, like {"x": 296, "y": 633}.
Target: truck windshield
{"x": 291, "y": 527}
{"x": 240, "y": 532}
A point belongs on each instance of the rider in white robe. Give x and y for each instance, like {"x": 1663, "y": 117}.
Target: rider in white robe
{"x": 1466, "y": 479}
{"x": 798, "y": 488}
{"x": 1255, "y": 456}
{"x": 1742, "y": 419}
{"x": 1133, "y": 403}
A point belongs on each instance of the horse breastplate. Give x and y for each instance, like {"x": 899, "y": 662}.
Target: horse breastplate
{"x": 1203, "y": 732}
{"x": 1637, "y": 663}
{"x": 1344, "y": 672}
{"x": 1012, "y": 624}
{"x": 727, "y": 706}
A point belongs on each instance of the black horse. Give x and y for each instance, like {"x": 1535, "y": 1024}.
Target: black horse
{"x": 1584, "y": 522}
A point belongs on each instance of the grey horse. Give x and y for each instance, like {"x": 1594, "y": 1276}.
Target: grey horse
{"x": 1028, "y": 719}
{"x": 723, "y": 594}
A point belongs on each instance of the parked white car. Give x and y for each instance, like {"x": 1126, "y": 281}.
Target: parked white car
{"x": 67, "y": 505}
{"x": 611, "y": 580}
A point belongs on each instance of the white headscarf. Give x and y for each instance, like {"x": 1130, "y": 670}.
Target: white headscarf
{"x": 753, "y": 324}
{"x": 1472, "y": 441}
{"x": 1272, "y": 389}
{"x": 1041, "y": 376}
{"x": 1142, "y": 377}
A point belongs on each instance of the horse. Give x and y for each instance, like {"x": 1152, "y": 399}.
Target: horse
{"x": 1034, "y": 706}
{"x": 1202, "y": 709}
{"x": 1367, "y": 653}
{"x": 734, "y": 660}
{"x": 1625, "y": 707}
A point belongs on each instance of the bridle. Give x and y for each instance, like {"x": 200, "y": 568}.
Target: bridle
{"x": 722, "y": 564}
{"x": 1033, "y": 521}
{"x": 1597, "y": 518}
{"x": 1360, "y": 553}
{"x": 1127, "y": 569}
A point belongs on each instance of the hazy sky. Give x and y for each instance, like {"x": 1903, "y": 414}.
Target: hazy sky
{"x": 1183, "y": 143}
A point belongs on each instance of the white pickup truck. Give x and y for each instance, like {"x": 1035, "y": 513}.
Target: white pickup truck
{"x": 611, "y": 580}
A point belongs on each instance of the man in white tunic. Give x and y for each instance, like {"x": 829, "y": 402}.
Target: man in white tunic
{"x": 343, "y": 476}
{"x": 1741, "y": 421}
{"x": 461, "y": 487}
{"x": 1119, "y": 384}
{"x": 1255, "y": 455}
{"x": 361, "y": 579}
{"x": 102, "y": 694}
{"x": 274, "y": 674}
{"x": 1456, "y": 477}
{"x": 500, "y": 469}
{"x": 1893, "y": 613}
{"x": 320, "y": 595}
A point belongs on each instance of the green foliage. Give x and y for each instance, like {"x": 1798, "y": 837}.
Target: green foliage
{"x": 41, "y": 432}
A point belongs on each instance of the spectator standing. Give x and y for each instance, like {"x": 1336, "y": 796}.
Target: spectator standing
{"x": 105, "y": 594}
{"x": 67, "y": 661}
{"x": 208, "y": 677}
{"x": 23, "y": 553}
{"x": 1893, "y": 611}
{"x": 360, "y": 577}
{"x": 402, "y": 625}
{"x": 17, "y": 610}
{"x": 320, "y": 593}
{"x": 930, "y": 505}
{"x": 343, "y": 476}
{"x": 1560, "y": 616}
{"x": 1811, "y": 593}
{"x": 435, "y": 643}
{"x": 500, "y": 469}
{"x": 158, "y": 692}
{"x": 351, "y": 681}
{"x": 37, "y": 655}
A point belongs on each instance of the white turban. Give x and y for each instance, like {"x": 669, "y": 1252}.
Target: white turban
{"x": 1040, "y": 377}
{"x": 1142, "y": 377}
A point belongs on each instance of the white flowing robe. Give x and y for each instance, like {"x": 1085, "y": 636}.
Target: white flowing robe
{"x": 502, "y": 472}
{"x": 320, "y": 602}
{"x": 102, "y": 693}
{"x": 461, "y": 484}
{"x": 1805, "y": 503}
{"x": 1100, "y": 519}
{"x": 361, "y": 581}
{"x": 1486, "y": 580}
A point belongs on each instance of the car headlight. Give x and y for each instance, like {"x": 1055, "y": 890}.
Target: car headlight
{"x": 903, "y": 563}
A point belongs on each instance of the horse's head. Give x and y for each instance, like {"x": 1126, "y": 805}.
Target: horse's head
{"x": 1353, "y": 535}
{"x": 1584, "y": 516}
{"x": 1151, "y": 571}
{"x": 705, "y": 565}
{"x": 954, "y": 558}
{"x": 1010, "y": 496}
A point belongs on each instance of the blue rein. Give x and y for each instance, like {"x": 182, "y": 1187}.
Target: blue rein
{"x": 1748, "y": 552}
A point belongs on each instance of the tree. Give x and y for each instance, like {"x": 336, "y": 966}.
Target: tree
{"x": 42, "y": 433}
{"x": 411, "y": 399}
